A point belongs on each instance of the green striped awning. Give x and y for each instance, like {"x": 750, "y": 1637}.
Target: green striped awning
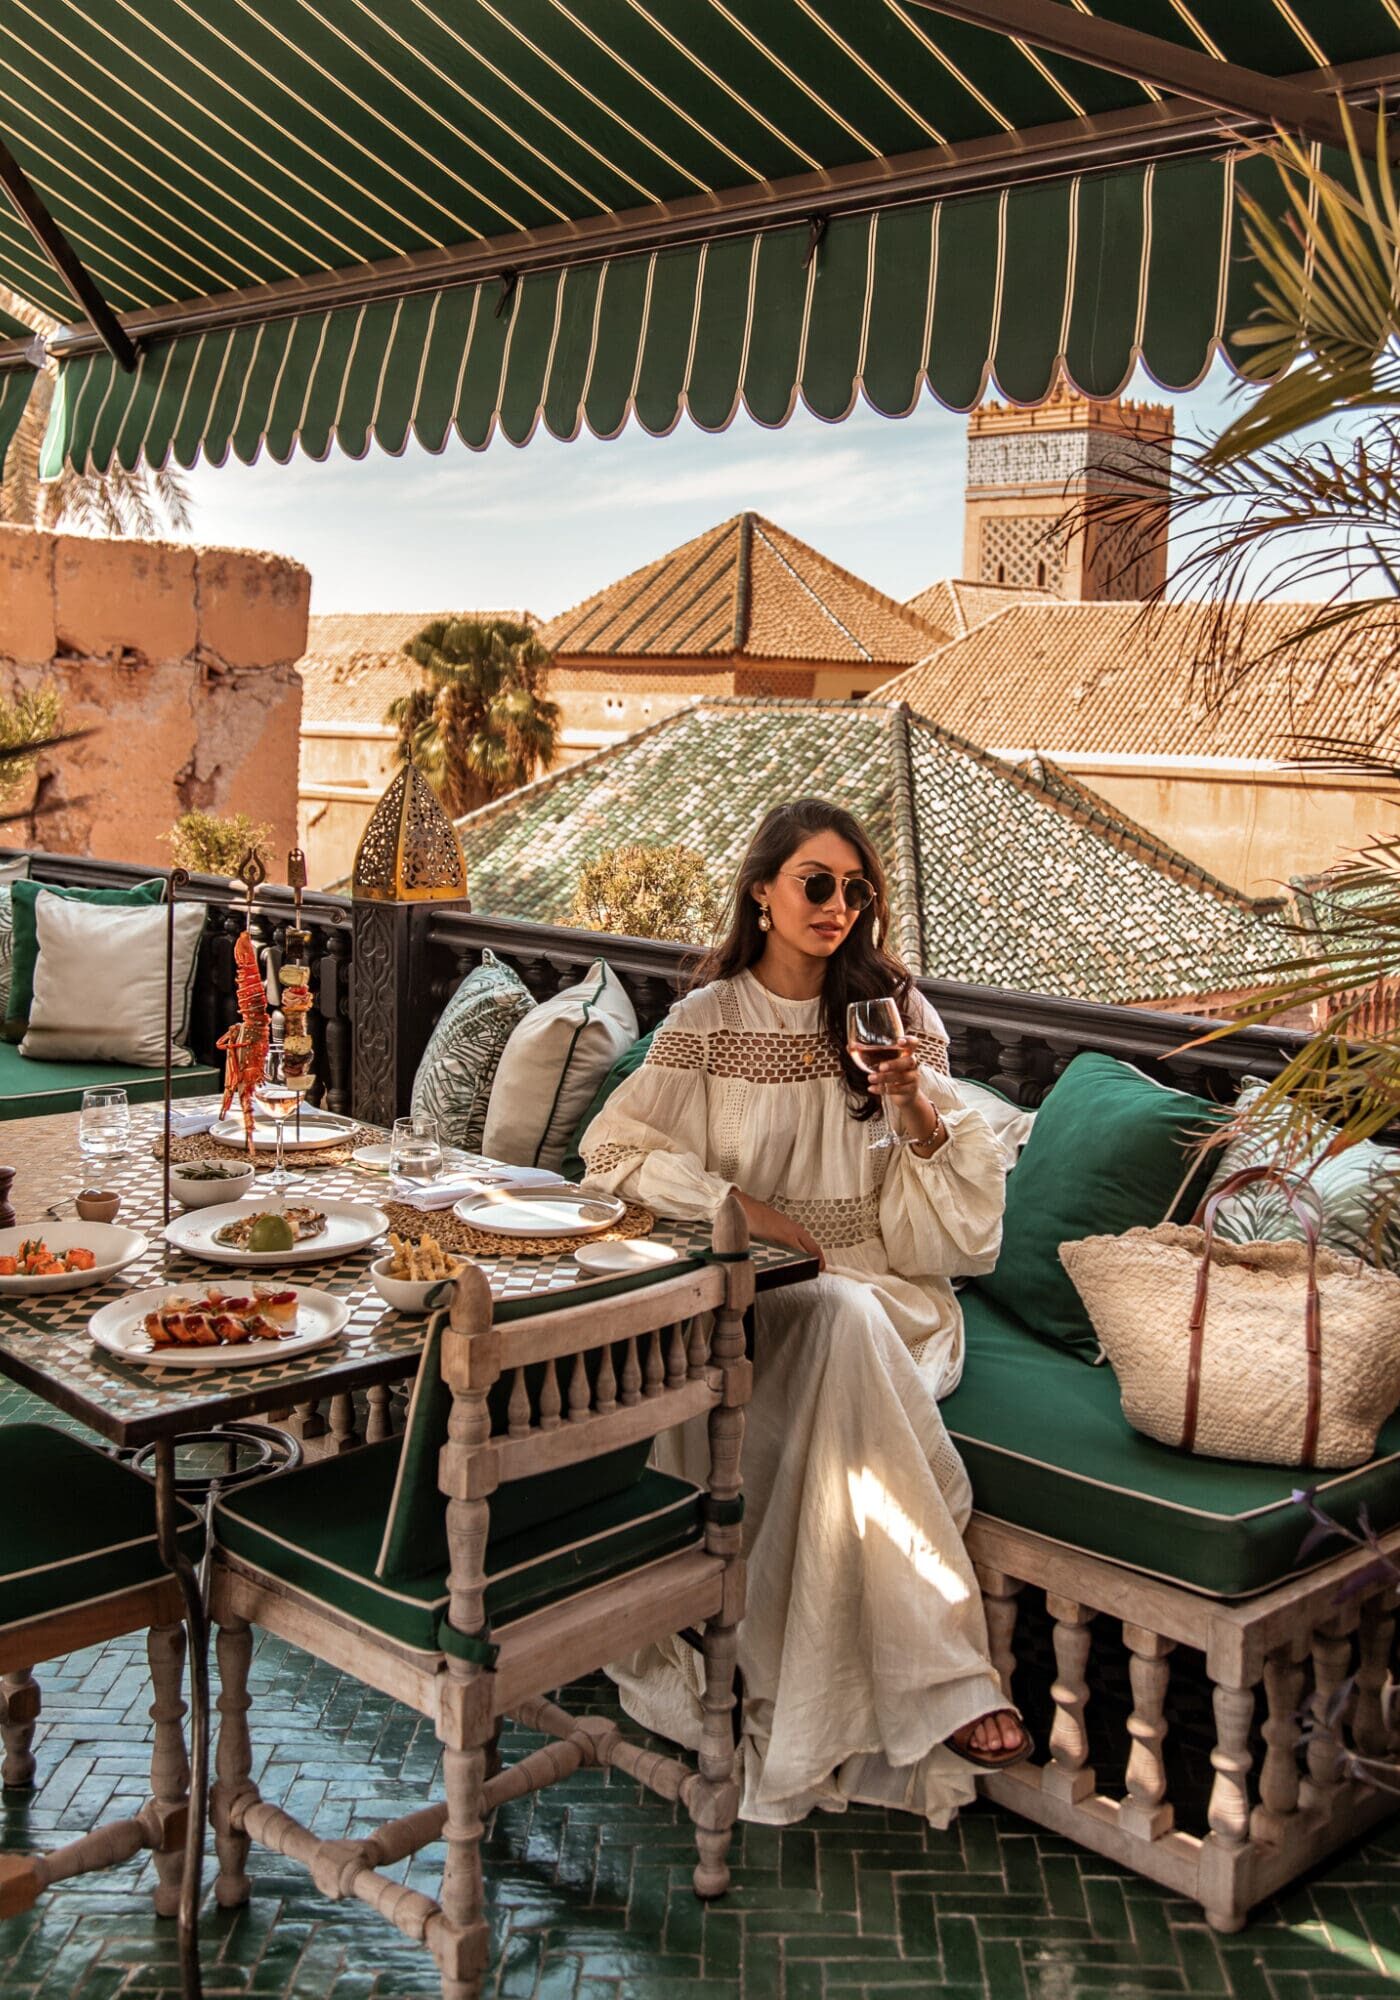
{"x": 1080, "y": 275}
{"x": 330, "y": 221}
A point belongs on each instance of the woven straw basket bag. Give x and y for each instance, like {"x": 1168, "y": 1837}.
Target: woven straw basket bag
{"x": 1281, "y": 1353}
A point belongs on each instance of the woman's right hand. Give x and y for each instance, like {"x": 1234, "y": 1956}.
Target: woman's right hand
{"x": 775, "y": 1227}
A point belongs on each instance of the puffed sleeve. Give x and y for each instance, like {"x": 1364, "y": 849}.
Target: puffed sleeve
{"x": 940, "y": 1217}
{"x": 650, "y": 1141}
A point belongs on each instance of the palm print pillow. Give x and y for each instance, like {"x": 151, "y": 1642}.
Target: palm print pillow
{"x": 454, "y": 1079}
{"x": 1359, "y": 1191}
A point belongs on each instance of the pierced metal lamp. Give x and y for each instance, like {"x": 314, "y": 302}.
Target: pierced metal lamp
{"x": 410, "y": 852}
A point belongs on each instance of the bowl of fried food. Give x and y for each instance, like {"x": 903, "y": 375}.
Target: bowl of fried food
{"x": 414, "y": 1277}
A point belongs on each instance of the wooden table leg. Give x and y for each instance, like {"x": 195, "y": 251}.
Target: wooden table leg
{"x": 197, "y": 1630}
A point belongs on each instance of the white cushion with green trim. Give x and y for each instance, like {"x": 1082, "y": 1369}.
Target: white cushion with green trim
{"x": 320, "y": 1530}
{"x": 76, "y": 1526}
{"x": 552, "y": 1066}
{"x": 453, "y": 1083}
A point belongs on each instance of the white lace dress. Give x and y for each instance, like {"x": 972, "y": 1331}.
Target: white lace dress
{"x": 863, "y": 1644}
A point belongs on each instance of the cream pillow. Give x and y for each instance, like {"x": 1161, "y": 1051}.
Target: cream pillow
{"x": 552, "y": 1065}
{"x": 99, "y": 982}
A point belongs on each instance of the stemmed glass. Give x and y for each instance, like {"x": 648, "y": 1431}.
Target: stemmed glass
{"x": 276, "y": 1097}
{"x": 875, "y": 1033}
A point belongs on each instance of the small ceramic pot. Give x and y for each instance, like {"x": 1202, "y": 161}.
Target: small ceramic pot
{"x": 95, "y": 1206}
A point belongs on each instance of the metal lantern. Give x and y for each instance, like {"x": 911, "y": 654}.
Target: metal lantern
{"x": 410, "y": 852}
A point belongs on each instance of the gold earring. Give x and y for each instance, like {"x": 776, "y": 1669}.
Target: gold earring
{"x": 765, "y": 919}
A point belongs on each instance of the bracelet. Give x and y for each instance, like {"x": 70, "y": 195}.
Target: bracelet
{"x": 935, "y": 1140}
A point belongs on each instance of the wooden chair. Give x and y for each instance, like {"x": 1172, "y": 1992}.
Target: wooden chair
{"x": 80, "y": 1564}
{"x": 561, "y": 1551}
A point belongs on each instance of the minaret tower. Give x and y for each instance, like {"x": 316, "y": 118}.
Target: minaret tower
{"x": 1026, "y": 468}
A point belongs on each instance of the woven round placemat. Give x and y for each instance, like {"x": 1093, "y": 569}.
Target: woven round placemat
{"x": 203, "y": 1146}
{"x": 451, "y": 1233}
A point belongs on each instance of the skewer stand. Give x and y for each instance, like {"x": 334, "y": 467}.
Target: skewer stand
{"x": 179, "y": 877}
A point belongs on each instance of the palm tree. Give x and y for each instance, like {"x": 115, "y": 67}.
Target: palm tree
{"x": 144, "y": 501}
{"x": 480, "y": 722}
{"x": 1266, "y": 512}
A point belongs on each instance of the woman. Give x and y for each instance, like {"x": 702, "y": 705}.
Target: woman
{"x": 863, "y": 1647}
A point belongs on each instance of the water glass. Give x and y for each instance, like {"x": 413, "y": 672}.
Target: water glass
{"x": 415, "y": 1150}
{"x": 104, "y": 1123}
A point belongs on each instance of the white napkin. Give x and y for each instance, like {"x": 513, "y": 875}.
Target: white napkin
{"x": 452, "y": 1188}
{"x": 185, "y": 1123}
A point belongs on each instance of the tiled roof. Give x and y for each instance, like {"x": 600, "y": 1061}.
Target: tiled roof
{"x": 1105, "y": 679}
{"x": 1000, "y": 878}
{"x": 746, "y": 589}
{"x": 956, "y": 605}
{"x": 354, "y": 664}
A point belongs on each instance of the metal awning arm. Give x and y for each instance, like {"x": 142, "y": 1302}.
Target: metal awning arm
{"x": 29, "y": 206}
{"x": 1063, "y": 31}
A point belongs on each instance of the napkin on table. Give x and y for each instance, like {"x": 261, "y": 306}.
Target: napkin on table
{"x": 452, "y": 1188}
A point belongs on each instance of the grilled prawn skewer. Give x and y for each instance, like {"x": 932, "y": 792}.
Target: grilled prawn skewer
{"x": 246, "y": 1043}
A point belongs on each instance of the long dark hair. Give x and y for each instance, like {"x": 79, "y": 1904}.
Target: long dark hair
{"x": 861, "y": 970}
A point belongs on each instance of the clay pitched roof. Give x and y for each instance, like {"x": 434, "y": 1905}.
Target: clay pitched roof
{"x": 1000, "y": 876}
{"x": 957, "y": 606}
{"x": 1108, "y": 679}
{"x": 354, "y": 663}
{"x": 748, "y": 589}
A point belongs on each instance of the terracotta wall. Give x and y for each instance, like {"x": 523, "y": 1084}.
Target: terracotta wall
{"x": 180, "y": 659}
{"x": 1254, "y": 829}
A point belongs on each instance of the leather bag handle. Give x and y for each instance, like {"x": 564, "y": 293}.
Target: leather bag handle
{"x": 1309, "y": 1221}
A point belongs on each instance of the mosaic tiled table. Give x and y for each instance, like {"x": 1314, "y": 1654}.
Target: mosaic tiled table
{"x": 45, "y": 1346}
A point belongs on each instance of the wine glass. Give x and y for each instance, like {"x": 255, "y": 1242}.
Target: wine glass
{"x": 276, "y": 1097}
{"x": 415, "y": 1150}
{"x": 104, "y": 1123}
{"x": 875, "y": 1032}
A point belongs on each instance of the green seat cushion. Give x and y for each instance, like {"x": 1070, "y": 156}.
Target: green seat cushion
{"x": 414, "y": 1527}
{"x": 1108, "y": 1150}
{"x": 25, "y": 945}
{"x": 320, "y": 1529}
{"x": 78, "y": 1526}
{"x": 31, "y": 1089}
{"x": 631, "y": 1059}
{"x": 1047, "y": 1448}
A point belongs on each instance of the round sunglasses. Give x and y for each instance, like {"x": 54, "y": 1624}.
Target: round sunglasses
{"x": 858, "y": 893}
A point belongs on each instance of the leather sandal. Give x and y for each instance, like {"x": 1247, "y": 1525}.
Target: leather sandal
{"x": 991, "y": 1760}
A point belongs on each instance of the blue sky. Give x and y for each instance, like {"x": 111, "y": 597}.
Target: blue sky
{"x": 544, "y": 526}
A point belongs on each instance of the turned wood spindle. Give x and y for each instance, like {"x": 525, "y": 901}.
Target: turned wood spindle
{"x": 378, "y": 1425}
{"x": 1279, "y": 1776}
{"x": 631, "y": 1374}
{"x": 1068, "y": 1776}
{"x": 344, "y": 1423}
{"x": 549, "y": 1398}
{"x": 1374, "y": 1642}
{"x": 605, "y": 1391}
{"x": 1000, "y": 1604}
{"x": 518, "y": 1408}
{"x": 675, "y": 1358}
{"x": 1144, "y": 1812}
{"x": 580, "y": 1394}
{"x": 1331, "y": 1662}
{"x": 654, "y": 1368}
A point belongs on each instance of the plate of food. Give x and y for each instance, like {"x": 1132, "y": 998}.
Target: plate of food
{"x": 211, "y": 1328}
{"x": 318, "y": 1128}
{"x": 63, "y": 1256}
{"x": 567, "y": 1213}
{"x": 261, "y": 1230}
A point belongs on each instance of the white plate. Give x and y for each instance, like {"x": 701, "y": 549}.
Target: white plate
{"x": 112, "y": 1245}
{"x": 378, "y": 1156}
{"x": 541, "y": 1214}
{"x": 611, "y": 1258}
{"x": 315, "y": 1131}
{"x": 350, "y": 1225}
{"x": 120, "y": 1329}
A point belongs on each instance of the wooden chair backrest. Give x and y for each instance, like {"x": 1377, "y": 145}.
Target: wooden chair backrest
{"x": 600, "y": 1374}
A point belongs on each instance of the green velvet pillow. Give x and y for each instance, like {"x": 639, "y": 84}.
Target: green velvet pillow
{"x": 415, "y": 1532}
{"x": 25, "y": 951}
{"x": 1108, "y": 1150}
{"x": 573, "y": 1168}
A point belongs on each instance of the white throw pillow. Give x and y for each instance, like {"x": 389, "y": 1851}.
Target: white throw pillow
{"x": 99, "y": 982}
{"x": 551, "y": 1067}
{"x": 15, "y": 871}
